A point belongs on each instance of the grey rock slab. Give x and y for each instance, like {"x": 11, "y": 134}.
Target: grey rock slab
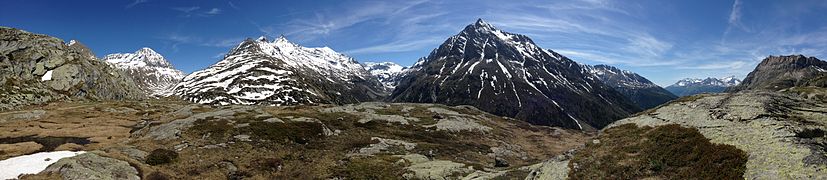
{"x": 92, "y": 166}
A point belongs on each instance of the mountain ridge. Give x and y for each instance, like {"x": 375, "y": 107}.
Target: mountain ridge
{"x": 640, "y": 90}
{"x": 518, "y": 79}
{"x": 387, "y": 72}
{"x": 780, "y": 72}
{"x": 280, "y": 72}
{"x": 692, "y": 86}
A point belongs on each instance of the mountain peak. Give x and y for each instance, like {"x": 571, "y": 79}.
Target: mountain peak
{"x": 151, "y": 71}
{"x": 481, "y": 23}
{"x": 790, "y": 61}
{"x": 281, "y": 72}
{"x": 146, "y": 51}
{"x": 507, "y": 74}
{"x": 142, "y": 57}
{"x": 780, "y": 72}
{"x": 282, "y": 40}
{"x": 481, "y": 26}
{"x": 262, "y": 39}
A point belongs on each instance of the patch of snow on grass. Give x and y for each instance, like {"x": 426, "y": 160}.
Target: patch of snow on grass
{"x": 32, "y": 164}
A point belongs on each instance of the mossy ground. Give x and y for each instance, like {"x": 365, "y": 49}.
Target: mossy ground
{"x": 211, "y": 149}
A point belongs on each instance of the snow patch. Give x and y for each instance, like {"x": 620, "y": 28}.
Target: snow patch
{"x": 32, "y": 164}
{"x": 47, "y": 76}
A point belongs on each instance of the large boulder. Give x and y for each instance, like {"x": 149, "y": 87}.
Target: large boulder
{"x": 36, "y": 69}
{"x": 92, "y": 166}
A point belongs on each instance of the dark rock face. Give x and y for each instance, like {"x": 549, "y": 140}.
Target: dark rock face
{"x": 507, "y": 74}
{"x": 691, "y": 86}
{"x": 37, "y": 69}
{"x": 281, "y": 73}
{"x": 640, "y": 90}
{"x": 780, "y": 72}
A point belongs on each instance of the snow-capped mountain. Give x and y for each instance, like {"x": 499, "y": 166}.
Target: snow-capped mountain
{"x": 280, "y": 73}
{"x": 508, "y": 75}
{"x": 388, "y": 73}
{"x": 150, "y": 70}
{"x": 692, "y": 86}
{"x": 640, "y": 90}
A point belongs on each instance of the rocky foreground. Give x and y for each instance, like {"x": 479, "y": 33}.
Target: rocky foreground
{"x": 168, "y": 139}
{"x": 37, "y": 69}
{"x": 782, "y": 134}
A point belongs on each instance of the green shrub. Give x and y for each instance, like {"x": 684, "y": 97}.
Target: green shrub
{"x": 161, "y": 156}
{"x": 372, "y": 168}
{"x": 663, "y": 152}
{"x": 297, "y": 132}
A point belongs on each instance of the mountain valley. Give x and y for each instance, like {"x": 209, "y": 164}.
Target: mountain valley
{"x": 485, "y": 104}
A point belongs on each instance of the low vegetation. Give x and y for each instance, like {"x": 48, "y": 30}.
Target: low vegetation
{"x": 663, "y": 152}
{"x": 373, "y": 168}
{"x": 161, "y": 156}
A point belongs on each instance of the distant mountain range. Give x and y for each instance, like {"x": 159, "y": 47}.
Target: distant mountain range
{"x": 495, "y": 71}
{"x": 507, "y": 74}
{"x": 692, "y": 86}
{"x": 387, "y": 72}
{"x": 640, "y": 90}
{"x": 151, "y": 71}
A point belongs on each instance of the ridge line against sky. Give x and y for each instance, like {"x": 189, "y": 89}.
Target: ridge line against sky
{"x": 663, "y": 41}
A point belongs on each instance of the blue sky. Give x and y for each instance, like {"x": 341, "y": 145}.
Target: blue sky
{"x": 662, "y": 40}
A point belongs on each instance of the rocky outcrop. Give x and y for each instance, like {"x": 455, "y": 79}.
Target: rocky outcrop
{"x": 780, "y": 72}
{"x": 783, "y": 134}
{"x": 36, "y": 69}
{"x": 92, "y": 166}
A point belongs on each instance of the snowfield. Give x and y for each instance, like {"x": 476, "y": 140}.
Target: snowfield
{"x": 32, "y": 164}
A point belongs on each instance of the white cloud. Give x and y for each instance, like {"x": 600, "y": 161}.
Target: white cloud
{"x": 232, "y": 5}
{"x": 723, "y": 65}
{"x": 594, "y": 31}
{"x": 195, "y": 11}
{"x": 397, "y": 46}
{"x": 213, "y": 11}
{"x": 177, "y": 39}
{"x": 136, "y": 2}
{"x": 735, "y": 14}
{"x": 186, "y": 9}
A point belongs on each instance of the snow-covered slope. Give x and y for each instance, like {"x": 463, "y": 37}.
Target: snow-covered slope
{"x": 280, "y": 73}
{"x": 32, "y": 163}
{"x": 151, "y": 71}
{"x": 387, "y": 72}
{"x": 635, "y": 87}
{"x": 692, "y": 86}
{"x": 508, "y": 75}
